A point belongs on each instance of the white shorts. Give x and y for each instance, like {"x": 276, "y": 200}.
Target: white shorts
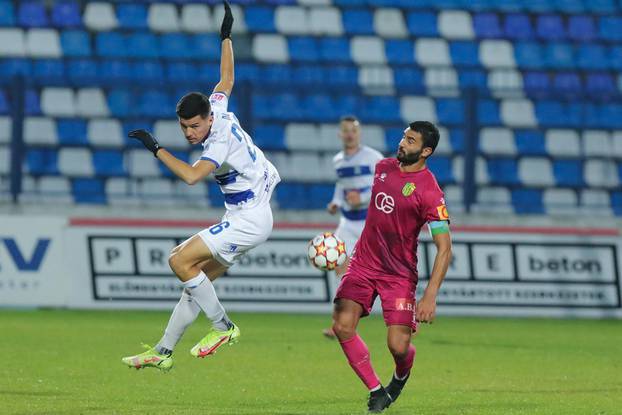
{"x": 350, "y": 231}
{"x": 239, "y": 231}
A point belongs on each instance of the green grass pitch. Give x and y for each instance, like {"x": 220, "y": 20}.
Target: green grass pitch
{"x": 68, "y": 362}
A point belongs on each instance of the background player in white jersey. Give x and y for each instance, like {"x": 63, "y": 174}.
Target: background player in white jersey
{"x": 354, "y": 166}
{"x": 247, "y": 180}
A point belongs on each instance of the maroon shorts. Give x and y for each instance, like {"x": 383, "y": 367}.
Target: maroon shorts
{"x": 396, "y": 294}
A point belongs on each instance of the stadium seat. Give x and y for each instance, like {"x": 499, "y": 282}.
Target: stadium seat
{"x": 491, "y": 197}
{"x": 496, "y": 53}
{"x": 260, "y": 19}
{"x": 568, "y": 173}
{"x": 568, "y": 83}
{"x": 570, "y": 6}
{"x": 596, "y": 143}
{"x": 303, "y": 49}
{"x": 590, "y": 56}
{"x": 464, "y": 53}
{"x": 176, "y": 46}
{"x": 529, "y": 55}
{"x": 100, "y": 16}
{"x": 58, "y": 102}
{"x": 389, "y": 23}
{"x": 108, "y": 163}
{"x": 594, "y": 198}
{"x": 142, "y": 45}
{"x": 616, "y": 203}
{"x": 110, "y": 45}
{"x": 270, "y": 48}
{"x": 562, "y": 143}
{"x": 518, "y": 27}
{"x": 601, "y": 173}
{"x": 527, "y": 201}
{"x": 380, "y": 109}
{"x": 536, "y": 83}
{"x": 7, "y": 14}
{"x": 32, "y": 14}
{"x": 432, "y": 52}
{"x": 454, "y": 24}
{"x": 497, "y": 141}
{"x": 75, "y": 162}
{"x": 367, "y": 50}
{"x": 601, "y": 6}
{"x": 291, "y": 20}
{"x": 154, "y": 103}
{"x": 503, "y": 171}
{"x": 358, "y": 22}
{"x": 43, "y": 43}
{"x": 486, "y": 25}
{"x": 148, "y": 72}
{"x": 163, "y": 17}
{"x": 75, "y": 43}
{"x": 40, "y": 130}
{"x": 616, "y": 145}
{"x": 518, "y": 113}
{"x": 40, "y": 162}
{"x": 238, "y": 16}
{"x": 472, "y": 78}
{"x": 488, "y": 112}
{"x": 560, "y": 201}
{"x": 269, "y": 137}
{"x": 399, "y": 51}
{"x": 581, "y": 28}
{"x": 54, "y": 188}
{"x": 335, "y": 49}
{"x": 88, "y": 191}
{"x": 72, "y": 132}
{"x": 422, "y": 24}
{"x": 600, "y": 84}
{"x": 450, "y": 111}
{"x": 104, "y": 133}
{"x": 142, "y": 164}
{"x": 91, "y": 102}
{"x": 196, "y": 18}
{"x": 113, "y": 71}
{"x": 5, "y": 130}
{"x": 132, "y": 16}
{"x": 550, "y": 27}
{"x": 442, "y": 169}
{"x": 66, "y": 14}
{"x": 536, "y": 172}
{"x": 12, "y": 42}
{"x": 205, "y": 46}
{"x": 559, "y": 56}
{"x": 422, "y": 107}
{"x": 610, "y": 28}
{"x": 49, "y": 71}
{"x": 530, "y": 142}
{"x": 325, "y": 21}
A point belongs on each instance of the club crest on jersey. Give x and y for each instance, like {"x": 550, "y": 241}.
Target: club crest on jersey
{"x": 381, "y": 176}
{"x": 408, "y": 189}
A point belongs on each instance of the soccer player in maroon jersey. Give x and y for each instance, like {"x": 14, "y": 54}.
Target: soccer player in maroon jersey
{"x": 405, "y": 196}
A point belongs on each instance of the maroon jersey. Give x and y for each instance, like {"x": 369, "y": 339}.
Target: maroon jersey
{"x": 401, "y": 203}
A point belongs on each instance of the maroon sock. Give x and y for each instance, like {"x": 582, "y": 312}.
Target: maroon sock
{"x": 357, "y": 353}
{"x": 403, "y": 366}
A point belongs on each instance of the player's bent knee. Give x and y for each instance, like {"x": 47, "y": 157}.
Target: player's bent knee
{"x": 178, "y": 264}
{"x": 343, "y": 331}
{"x": 399, "y": 350}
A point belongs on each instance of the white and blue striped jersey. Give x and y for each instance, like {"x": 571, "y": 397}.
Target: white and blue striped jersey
{"x": 243, "y": 173}
{"x": 355, "y": 172}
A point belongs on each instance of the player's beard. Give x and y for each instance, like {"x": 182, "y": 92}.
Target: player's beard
{"x": 408, "y": 158}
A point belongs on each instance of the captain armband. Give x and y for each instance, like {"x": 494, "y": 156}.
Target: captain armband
{"x": 438, "y": 227}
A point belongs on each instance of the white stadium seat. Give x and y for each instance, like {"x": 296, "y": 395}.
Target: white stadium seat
{"x": 100, "y": 16}
{"x": 601, "y": 173}
{"x": 373, "y": 136}
{"x": 594, "y": 198}
{"x": 169, "y": 134}
{"x": 497, "y": 141}
{"x": 616, "y": 144}
{"x": 328, "y": 169}
{"x": 560, "y": 199}
{"x": 238, "y": 14}
{"x": 326, "y": 21}
{"x": 163, "y": 17}
{"x": 368, "y": 50}
{"x": 270, "y": 48}
{"x": 444, "y": 143}
{"x": 5, "y": 130}
{"x": 597, "y": 143}
{"x": 389, "y": 23}
{"x": 291, "y": 20}
{"x": 481, "y": 171}
{"x": 12, "y": 42}
{"x": 5, "y": 160}
{"x": 282, "y": 164}
{"x": 58, "y": 102}
{"x": 91, "y": 102}
{"x": 505, "y": 82}
{"x": 195, "y": 195}
{"x": 161, "y": 190}
{"x": 417, "y": 107}
{"x": 329, "y": 137}
{"x": 441, "y": 81}
{"x": 432, "y": 52}
{"x": 562, "y": 143}
{"x": 105, "y": 133}
{"x": 376, "y": 79}
{"x": 305, "y": 166}
{"x": 43, "y": 43}
{"x": 121, "y": 192}
{"x": 494, "y": 196}
{"x": 75, "y": 162}
{"x": 535, "y": 171}
{"x": 143, "y": 164}
{"x": 54, "y": 188}
{"x": 196, "y": 18}
{"x": 40, "y": 130}
{"x": 496, "y": 54}
{"x": 518, "y": 113}
{"x": 301, "y": 137}
{"x": 454, "y": 24}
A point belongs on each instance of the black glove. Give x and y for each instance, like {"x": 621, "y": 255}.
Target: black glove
{"x": 147, "y": 139}
{"x": 227, "y": 22}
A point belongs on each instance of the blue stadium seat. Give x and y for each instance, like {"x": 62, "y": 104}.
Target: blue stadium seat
{"x": 319, "y": 108}
{"x": 143, "y": 45}
{"x": 442, "y": 169}
{"x": 262, "y": 108}
{"x": 464, "y": 53}
{"x": 120, "y": 103}
{"x": 530, "y": 142}
{"x": 155, "y": 103}
{"x": 15, "y": 66}
{"x": 538, "y": 6}
{"x": 487, "y": 25}
{"x": 592, "y": 56}
{"x": 399, "y": 51}
{"x": 215, "y": 196}
{"x": 287, "y": 107}
{"x": 206, "y": 46}
{"x": 488, "y": 112}
{"x": 320, "y": 195}
{"x": 614, "y": 57}
{"x": 358, "y": 22}
{"x": 72, "y": 132}
{"x": 335, "y": 49}
{"x": 343, "y": 76}
{"x": 4, "y": 103}
{"x": 244, "y": 72}
{"x": 570, "y": 6}
{"x": 601, "y": 6}
{"x": 7, "y": 14}
{"x": 181, "y": 155}
{"x": 559, "y": 56}
{"x": 32, "y": 14}
{"x": 82, "y": 71}
{"x": 260, "y": 19}
{"x": 550, "y": 113}
{"x": 518, "y": 27}
{"x": 347, "y": 104}
{"x": 503, "y": 171}
{"x": 610, "y": 28}
{"x": 33, "y": 106}
{"x": 269, "y": 137}
{"x": 350, "y": 2}
{"x": 527, "y": 201}
{"x": 292, "y": 196}
{"x": 112, "y": 71}
{"x": 128, "y": 126}
{"x": 175, "y": 46}
{"x": 147, "y": 72}
{"x": 280, "y": 2}
{"x": 109, "y": 163}
{"x": 408, "y": 79}
{"x": 568, "y": 83}
{"x": 550, "y": 27}
{"x": 181, "y": 72}
{"x": 581, "y": 28}
{"x": 600, "y": 84}
{"x": 392, "y": 137}
{"x": 381, "y": 109}
{"x": 529, "y": 55}
{"x": 456, "y": 137}
{"x": 42, "y": 162}
{"x": 473, "y": 78}
{"x": 304, "y": 49}
{"x": 88, "y": 191}
{"x": 568, "y": 173}
{"x": 309, "y": 75}
{"x": 616, "y": 203}
{"x": 450, "y": 111}
{"x": 49, "y": 70}
{"x": 276, "y": 74}
{"x": 75, "y": 43}
{"x": 422, "y": 23}
{"x": 132, "y": 16}
{"x": 536, "y": 83}
{"x": 66, "y": 14}
{"x": 111, "y": 45}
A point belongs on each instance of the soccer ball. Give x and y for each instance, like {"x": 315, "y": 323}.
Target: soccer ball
{"x": 326, "y": 251}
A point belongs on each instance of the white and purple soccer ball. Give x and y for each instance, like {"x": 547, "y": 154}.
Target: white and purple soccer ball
{"x": 326, "y": 251}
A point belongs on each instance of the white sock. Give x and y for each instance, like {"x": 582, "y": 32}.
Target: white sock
{"x": 184, "y": 313}
{"x": 376, "y": 388}
{"x": 400, "y": 378}
{"x": 204, "y": 294}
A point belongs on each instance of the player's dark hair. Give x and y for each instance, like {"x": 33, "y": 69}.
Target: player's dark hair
{"x": 193, "y": 104}
{"x": 428, "y": 132}
{"x": 349, "y": 118}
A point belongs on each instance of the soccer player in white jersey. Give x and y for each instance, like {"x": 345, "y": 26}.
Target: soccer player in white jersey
{"x": 247, "y": 180}
{"x": 354, "y": 166}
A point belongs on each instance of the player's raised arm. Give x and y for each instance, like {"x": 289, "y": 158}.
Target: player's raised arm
{"x": 191, "y": 174}
{"x": 226, "y": 54}
{"x": 426, "y": 308}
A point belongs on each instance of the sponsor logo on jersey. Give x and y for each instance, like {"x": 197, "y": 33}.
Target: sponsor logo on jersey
{"x": 384, "y": 203}
{"x": 408, "y": 189}
{"x": 442, "y": 212}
